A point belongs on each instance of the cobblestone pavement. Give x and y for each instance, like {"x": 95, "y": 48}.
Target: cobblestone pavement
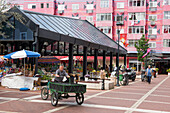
{"x": 137, "y": 97}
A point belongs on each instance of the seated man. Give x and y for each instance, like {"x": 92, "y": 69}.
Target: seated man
{"x": 60, "y": 74}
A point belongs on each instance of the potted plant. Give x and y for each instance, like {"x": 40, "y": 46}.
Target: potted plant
{"x": 156, "y": 71}
{"x": 168, "y": 70}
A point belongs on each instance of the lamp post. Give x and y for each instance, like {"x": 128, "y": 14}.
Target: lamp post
{"x": 119, "y": 28}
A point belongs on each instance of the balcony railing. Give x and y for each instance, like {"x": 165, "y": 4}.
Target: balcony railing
{"x": 89, "y": 11}
{"x": 153, "y": 23}
{"x": 120, "y": 22}
{"x": 152, "y": 36}
{"x": 153, "y": 9}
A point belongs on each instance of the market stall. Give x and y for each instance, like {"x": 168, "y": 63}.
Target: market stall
{"x": 19, "y": 80}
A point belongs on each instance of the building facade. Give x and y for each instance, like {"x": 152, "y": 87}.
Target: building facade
{"x": 139, "y": 17}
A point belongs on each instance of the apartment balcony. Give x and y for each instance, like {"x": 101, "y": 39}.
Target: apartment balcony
{"x": 152, "y": 36}
{"x": 60, "y": 11}
{"x": 153, "y": 23}
{"x": 153, "y": 9}
{"x": 120, "y": 22}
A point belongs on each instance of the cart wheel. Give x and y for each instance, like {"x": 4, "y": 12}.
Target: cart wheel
{"x": 54, "y": 99}
{"x": 79, "y": 98}
{"x": 44, "y": 93}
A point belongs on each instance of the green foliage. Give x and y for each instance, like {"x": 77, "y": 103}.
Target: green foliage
{"x": 46, "y": 77}
{"x": 5, "y": 15}
{"x": 168, "y": 70}
{"x": 157, "y": 69}
{"x": 141, "y": 47}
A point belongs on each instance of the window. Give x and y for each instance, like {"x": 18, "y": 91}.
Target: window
{"x": 47, "y": 5}
{"x": 104, "y": 17}
{"x": 23, "y": 35}
{"x": 104, "y": 3}
{"x": 61, "y": 7}
{"x": 166, "y": 14}
{"x": 136, "y": 16}
{"x": 75, "y": 6}
{"x": 120, "y": 5}
{"x": 42, "y": 5}
{"x": 166, "y": 43}
{"x": 136, "y": 30}
{"x": 89, "y": 18}
{"x": 152, "y": 44}
{"x": 166, "y": 2}
{"x": 31, "y": 6}
{"x": 136, "y": 2}
{"x": 152, "y": 31}
{"x": 152, "y": 4}
{"x": 152, "y": 17}
{"x": 166, "y": 29}
{"x": 132, "y": 43}
{"x": 89, "y": 6}
{"x": 106, "y": 30}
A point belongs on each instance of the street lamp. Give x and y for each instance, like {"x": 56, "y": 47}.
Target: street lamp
{"x": 146, "y": 57}
{"x": 119, "y": 24}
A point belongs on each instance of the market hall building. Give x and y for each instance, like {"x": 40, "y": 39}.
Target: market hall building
{"x": 65, "y": 36}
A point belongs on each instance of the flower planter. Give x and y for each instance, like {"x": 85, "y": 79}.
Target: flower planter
{"x": 168, "y": 73}
{"x": 86, "y": 78}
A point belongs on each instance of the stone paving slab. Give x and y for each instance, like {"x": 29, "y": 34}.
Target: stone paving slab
{"x": 80, "y": 109}
{"x": 110, "y": 102}
{"x": 16, "y": 94}
{"x": 121, "y": 95}
{"x": 155, "y": 106}
{"x": 26, "y": 107}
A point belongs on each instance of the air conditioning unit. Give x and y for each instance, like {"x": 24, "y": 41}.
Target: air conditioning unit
{"x": 60, "y": 11}
{"x": 89, "y": 11}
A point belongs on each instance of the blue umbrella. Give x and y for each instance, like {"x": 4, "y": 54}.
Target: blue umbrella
{"x": 22, "y": 54}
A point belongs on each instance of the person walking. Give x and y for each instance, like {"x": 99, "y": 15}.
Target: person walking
{"x": 149, "y": 73}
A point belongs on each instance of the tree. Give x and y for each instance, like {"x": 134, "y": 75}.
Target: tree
{"x": 5, "y": 15}
{"x": 141, "y": 47}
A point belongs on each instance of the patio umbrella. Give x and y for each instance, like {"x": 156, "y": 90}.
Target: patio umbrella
{"x": 22, "y": 54}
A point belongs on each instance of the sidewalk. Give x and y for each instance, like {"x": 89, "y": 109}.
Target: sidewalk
{"x": 136, "y": 97}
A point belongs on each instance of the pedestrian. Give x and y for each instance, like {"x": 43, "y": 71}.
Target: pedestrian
{"x": 149, "y": 73}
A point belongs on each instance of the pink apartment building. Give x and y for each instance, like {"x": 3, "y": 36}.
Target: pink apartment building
{"x": 148, "y": 17}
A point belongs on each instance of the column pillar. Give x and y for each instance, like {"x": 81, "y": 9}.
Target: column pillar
{"x": 104, "y": 59}
{"x": 84, "y": 61}
{"x": 70, "y": 58}
{"x": 36, "y": 59}
{"x": 95, "y": 58}
{"x": 117, "y": 60}
{"x": 125, "y": 60}
{"x": 111, "y": 61}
